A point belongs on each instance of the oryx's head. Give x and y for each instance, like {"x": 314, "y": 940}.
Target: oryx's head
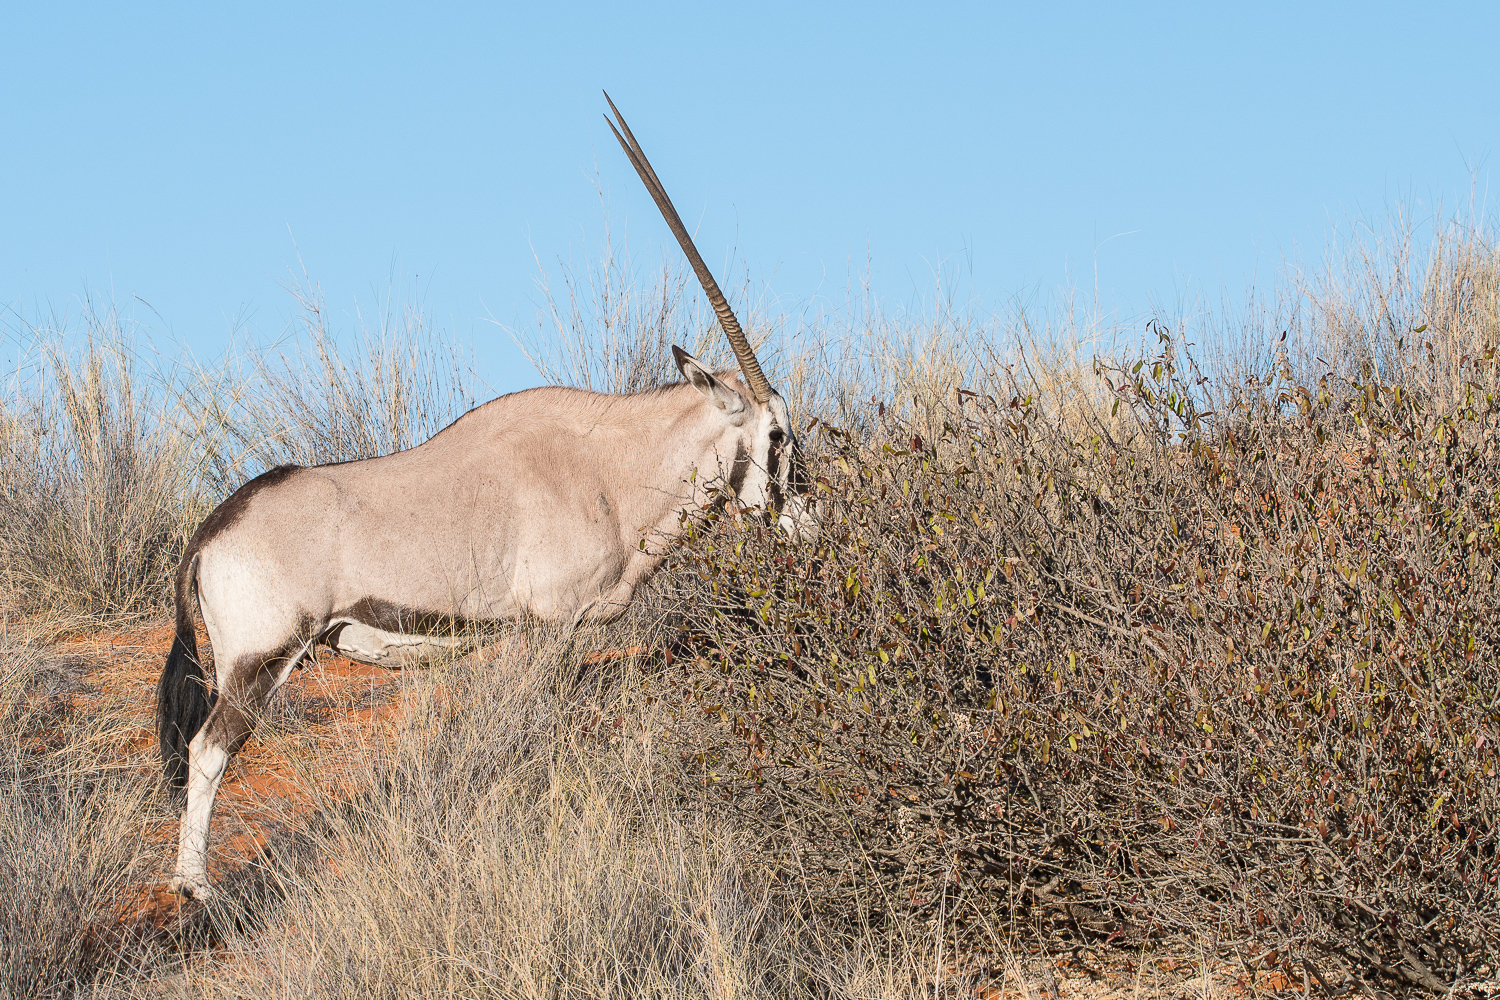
{"x": 757, "y": 450}
{"x": 771, "y": 475}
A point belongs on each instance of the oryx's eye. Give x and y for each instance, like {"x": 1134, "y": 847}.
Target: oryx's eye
{"x": 777, "y": 436}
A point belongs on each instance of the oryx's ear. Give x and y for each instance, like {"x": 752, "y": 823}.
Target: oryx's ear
{"x": 721, "y": 395}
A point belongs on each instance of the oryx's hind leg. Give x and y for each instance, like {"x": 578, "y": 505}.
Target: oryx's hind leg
{"x": 243, "y": 692}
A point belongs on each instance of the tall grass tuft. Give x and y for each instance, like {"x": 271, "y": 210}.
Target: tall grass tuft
{"x": 106, "y": 471}
{"x": 98, "y": 490}
{"x": 1397, "y": 301}
{"x": 607, "y": 330}
{"x": 325, "y": 395}
{"x": 1407, "y": 311}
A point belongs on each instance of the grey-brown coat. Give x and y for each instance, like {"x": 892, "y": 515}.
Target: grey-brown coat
{"x": 552, "y": 502}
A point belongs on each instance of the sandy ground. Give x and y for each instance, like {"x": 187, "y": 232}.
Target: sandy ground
{"x": 329, "y": 712}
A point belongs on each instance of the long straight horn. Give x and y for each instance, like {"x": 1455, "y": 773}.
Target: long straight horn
{"x": 737, "y": 339}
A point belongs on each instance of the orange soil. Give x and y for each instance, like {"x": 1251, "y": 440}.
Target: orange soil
{"x": 344, "y": 707}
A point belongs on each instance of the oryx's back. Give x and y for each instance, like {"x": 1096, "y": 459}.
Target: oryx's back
{"x": 535, "y": 500}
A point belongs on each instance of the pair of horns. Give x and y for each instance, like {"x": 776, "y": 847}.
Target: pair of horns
{"x": 754, "y": 377}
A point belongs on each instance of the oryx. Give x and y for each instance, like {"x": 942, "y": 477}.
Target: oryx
{"x": 552, "y": 502}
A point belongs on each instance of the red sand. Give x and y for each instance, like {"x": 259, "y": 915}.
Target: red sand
{"x": 344, "y": 706}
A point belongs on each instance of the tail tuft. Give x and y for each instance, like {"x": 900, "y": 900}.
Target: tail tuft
{"x": 182, "y": 699}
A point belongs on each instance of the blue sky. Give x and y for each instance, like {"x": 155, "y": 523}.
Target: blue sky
{"x": 186, "y": 156}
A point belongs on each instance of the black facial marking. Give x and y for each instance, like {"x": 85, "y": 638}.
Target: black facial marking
{"x": 797, "y": 479}
{"x": 740, "y": 469}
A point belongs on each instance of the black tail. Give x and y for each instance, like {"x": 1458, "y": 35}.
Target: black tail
{"x": 182, "y": 700}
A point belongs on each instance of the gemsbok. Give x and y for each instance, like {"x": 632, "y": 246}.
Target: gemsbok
{"x": 551, "y": 502}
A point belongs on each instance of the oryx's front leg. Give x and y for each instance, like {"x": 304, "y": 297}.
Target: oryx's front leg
{"x": 241, "y": 699}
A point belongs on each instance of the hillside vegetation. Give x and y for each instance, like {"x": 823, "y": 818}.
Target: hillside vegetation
{"x": 1187, "y": 651}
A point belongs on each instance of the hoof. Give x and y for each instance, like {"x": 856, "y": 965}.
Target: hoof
{"x": 192, "y": 888}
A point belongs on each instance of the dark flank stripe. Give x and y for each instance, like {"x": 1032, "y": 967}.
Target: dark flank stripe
{"x": 382, "y": 614}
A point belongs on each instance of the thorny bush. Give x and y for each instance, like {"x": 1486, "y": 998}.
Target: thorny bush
{"x": 1229, "y": 676}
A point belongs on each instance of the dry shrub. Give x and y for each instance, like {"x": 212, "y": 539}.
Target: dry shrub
{"x": 1229, "y": 677}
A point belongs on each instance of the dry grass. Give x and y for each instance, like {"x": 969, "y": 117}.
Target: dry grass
{"x": 97, "y": 491}
{"x": 306, "y": 400}
{"x": 500, "y": 847}
{"x": 106, "y": 470}
{"x": 607, "y": 327}
{"x": 1401, "y": 309}
{"x": 73, "y": 835}
{"x": 526, "y": 833}
{"x": 1398, "y": 300}
{"x": 608, "y": 330}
